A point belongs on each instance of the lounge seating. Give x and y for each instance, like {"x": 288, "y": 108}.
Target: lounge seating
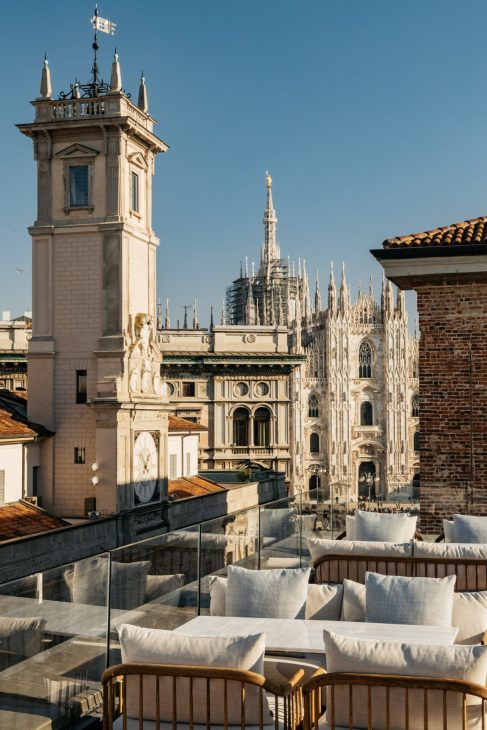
{"x": 380, "y": 526}
{"x": 199, "y": 697}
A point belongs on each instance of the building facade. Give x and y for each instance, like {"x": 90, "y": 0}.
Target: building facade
{"x": 14, "y": 337}
{"x": 354, "y": 401}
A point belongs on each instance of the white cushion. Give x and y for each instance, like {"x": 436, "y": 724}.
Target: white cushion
{"x": 448, "y": 530}
{"x": 323, "y": 602}
{"x": 334, "y": 571}
{"x": 393, "y": 599}
{"x": 277, "y": 523}
{"x": 470, "y": 616}
{"x": 344, "y": 654}
{"x": 88, "y": 581}
{"x": 470, "y": 528}
{"x": 384, "y": 526}
{"x": 353, "y": 604}
{"x": 279, "y": 593}
{"x": 319, "y": 548}
{"x": 472, "y": 577}
{"x": 20, "y": 638}
{"x": 157, "y": 646}
{"x": 350, "y": 527}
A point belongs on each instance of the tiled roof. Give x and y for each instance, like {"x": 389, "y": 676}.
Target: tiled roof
{"x": 18, "y": 519}
{"x": 182, "y": 424}
{"x": 13, "y": 421}
{"x": 466, "y": 233}
{"x": 194, "y": 486}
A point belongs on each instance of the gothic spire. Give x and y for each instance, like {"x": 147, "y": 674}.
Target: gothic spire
{"x": 250, "y": 307}
{"x": 317, "y": 293}
{"x": 223, "y": 318}
{"x": 46, "y": 85}
{"x": 212, "y": 324}
{"x": 142, "y": 102}
{"x": 196, "y": 324}
{"x": 270, "y": 251}
{"x": 167, "y": 319}
{"x": 343, "y": 299}
{"x": 116, "y": 75}
{"x": 159, "y": 316}
{"x": 371, "y": 289}
{"x": 401, "y": 304}
{"x": 332, "y": 292}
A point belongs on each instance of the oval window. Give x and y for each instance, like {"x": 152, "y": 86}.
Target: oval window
{"x": 262, "y": 389}
{"x": 241, "y": 389}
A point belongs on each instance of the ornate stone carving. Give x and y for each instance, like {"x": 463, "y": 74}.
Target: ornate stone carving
{"x": 144, "y": 357}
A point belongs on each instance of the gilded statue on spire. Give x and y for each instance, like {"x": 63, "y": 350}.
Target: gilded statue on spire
{"x": 268, "y": 179}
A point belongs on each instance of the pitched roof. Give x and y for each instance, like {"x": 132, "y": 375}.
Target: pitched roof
{"x": 465, "y": 233}
{"x": 13, "y": 419}
{"x": 18, "y": 519}
{"x": 182, "y": 424}
{"x": 193, "y": 486}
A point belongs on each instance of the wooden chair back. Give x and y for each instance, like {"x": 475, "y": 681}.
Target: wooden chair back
{"x": 392, "y": 702}
{"x": 153, "y": 694}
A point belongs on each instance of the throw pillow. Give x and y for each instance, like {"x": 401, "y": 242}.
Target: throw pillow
{"x": 470, "y": 616}
{"x": 468, "y": 528}
{"x": 279, "y": 593}
{"x": 88, "y": 582}
{"x": 353, "y": 605}
{"x": 391, "y": 599}
{"x": 157, "y": 646}
{"x": 448, "y": 531}
{"x": 383, "y": 526}
{"x": 344, "y": 654}
{"x": 20, "y": 638}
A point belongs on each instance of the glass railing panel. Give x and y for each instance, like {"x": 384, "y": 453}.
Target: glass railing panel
{"x": 53, "y": 643}
{"x": 280, "y": 526}
{"x": 228, "y": 540}
{"x": 154, "y": 583}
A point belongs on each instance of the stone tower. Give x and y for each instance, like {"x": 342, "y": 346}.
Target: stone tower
{"x": 93, "y": 363}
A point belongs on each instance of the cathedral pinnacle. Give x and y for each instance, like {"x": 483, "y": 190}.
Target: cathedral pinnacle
{"x": 332, "y": 293}
{"x": 167, "y": 319}
{"x": 116, "y": 75}
{"x": 343, "y": 300}
{"x": 317, "y": 293}
{"x": 46, "y": 85}
{"x": 142, "y": 102}
{"x": 270, "y": 250}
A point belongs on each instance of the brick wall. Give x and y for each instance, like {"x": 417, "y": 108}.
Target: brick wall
{"x": 453, "y": 399}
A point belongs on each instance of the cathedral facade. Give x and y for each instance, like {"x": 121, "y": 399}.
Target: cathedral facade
{"x": 354, "y": 411}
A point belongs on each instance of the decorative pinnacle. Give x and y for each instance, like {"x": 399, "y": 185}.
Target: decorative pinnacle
{"x": 142, "y": 102}
{"x": 46, "y": 86}
{"x": 116, "y": 75}
{"x": 268, "y": 179}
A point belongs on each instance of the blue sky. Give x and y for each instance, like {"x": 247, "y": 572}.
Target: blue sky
{"x": 371, "y": 117}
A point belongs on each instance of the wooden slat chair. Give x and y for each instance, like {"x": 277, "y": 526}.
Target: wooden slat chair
{"x": 471, "y": 573}
{"x": 392, "y": 702}
{"x": 179, "y": 697}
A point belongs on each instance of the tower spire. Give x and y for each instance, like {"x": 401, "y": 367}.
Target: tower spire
{"x": 196, "y": 324}
{"x": 223, "y": 318}
{"x": 212, "y": 324}
{"x": 46, "y": 85}
{"x": 269, "y": 252}
{"x": 142, "y": 102}
{"x": 159, "y": 315}
{"x": 167, "y": 319}
{"x": 317, "y": 293}
{"x": 343, "y": 299}
{"x": 332, "y": 292}
{"x": 116, "y": 75}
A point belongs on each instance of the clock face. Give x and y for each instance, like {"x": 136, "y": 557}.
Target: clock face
{"x": 145, "y": 467}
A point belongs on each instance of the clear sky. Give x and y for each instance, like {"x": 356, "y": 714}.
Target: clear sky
{"x": 370, "y": 114}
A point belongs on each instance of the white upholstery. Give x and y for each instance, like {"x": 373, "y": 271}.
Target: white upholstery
{"x": 277, "y": 523}
{"x": 319, "y": 547}
{"x": 470, "y": 616}
{"x": 167, "y": 647}
{"x": 393, "y": 599}
{"x": 470, "y": 529}
{"x": 279, "y": 593}
{"x": 383, "y": 526}
{"x": 350, "y": 527}
{"x": 133, "y": 724}
{"x": 88, "y": 580}
{"x": 353, "y": 605}
{"x": 448, "y": 530}
{"x": 470, "y": 577}
{"x": 379, "y": 657}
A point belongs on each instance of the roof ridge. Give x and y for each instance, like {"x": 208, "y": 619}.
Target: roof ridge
{"x": 466, "y": 231}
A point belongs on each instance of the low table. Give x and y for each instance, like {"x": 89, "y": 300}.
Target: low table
{"x": 299, "y": 636}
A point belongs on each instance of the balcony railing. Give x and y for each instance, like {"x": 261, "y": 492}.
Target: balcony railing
{"x": 59, "y": 627}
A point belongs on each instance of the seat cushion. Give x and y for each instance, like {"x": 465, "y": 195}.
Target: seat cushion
{"x": 158, "y": 646}
{"x": 472, "y": 577}
{"x": 382, "y": 526}
{"x": 323, "y": 602}
{"x": 279, "y": 593}
{"x": 319, "y": 548}
{"x": 379, "y": 657}
{"x": 393, "y": 599}
{"x": 470, "y": 529}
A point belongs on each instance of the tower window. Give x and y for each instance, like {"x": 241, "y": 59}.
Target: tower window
{"x": 415, "y": 406}
{"x": 79, "y": 455}
{"x": 365, "y": 361}
{"x": 313, "y": 408}
{"x": 134, "y": 192}
{"x": 78, "y": 186}
{"x": 81, "y": 382}
{"x": 314, "y": 443}
{"x": 366, "y": 414}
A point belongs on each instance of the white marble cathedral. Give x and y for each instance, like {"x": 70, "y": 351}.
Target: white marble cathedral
{"x": 354, "y": 401}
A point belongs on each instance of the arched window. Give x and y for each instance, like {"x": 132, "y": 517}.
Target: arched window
{"x": 415, "y": 406}
{"x": 416, "y": 441}
{"x": 262, "y": 419}
{"x": 241, "y": 427}
{"x": 365, "y": 361}
{"x": 366, "y": 414}
{"x": 313, "y": 408}
{"x": 314, "y": 443}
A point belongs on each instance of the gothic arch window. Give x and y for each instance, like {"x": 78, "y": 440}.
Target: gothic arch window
{"x": 415, "y": 406}
{"x": 313, "y": 407}
{"x": 314, "y": 443}
{"x": 366, "y": 414}
{"x": 365, "y": 361}
{"x": 262, "y": 420}
{"x": 241, "y": 419}
{"x": 416, "y": 444}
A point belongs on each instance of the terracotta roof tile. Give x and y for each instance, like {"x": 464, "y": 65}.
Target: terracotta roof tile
{"x": 465, "y": 233}
{"x": 193, "y": 486}
{"x": 182, "y": 424}
{"x": 13, "y": 420}
{"x": 18, "y": 519}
